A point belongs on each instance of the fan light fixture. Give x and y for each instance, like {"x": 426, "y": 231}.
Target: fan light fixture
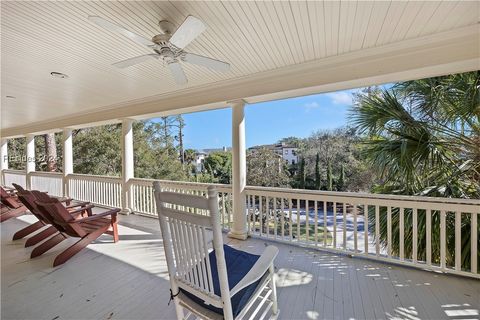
{"x": 168, "y": 46}
{"x": 58, "y": 75}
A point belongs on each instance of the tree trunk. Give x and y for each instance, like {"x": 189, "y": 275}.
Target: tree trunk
{"x": 181, "y": 124}
{"x": 51, "y": 152}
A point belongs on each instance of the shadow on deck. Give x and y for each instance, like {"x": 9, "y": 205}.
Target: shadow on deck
{"x": 129, "y": 280}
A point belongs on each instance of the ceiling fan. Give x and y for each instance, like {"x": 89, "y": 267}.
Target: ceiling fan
{"x": 167, "y": 46}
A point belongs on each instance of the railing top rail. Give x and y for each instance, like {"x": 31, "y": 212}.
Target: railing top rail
{"x": 294, "y": 193}
{"x": 13, "y": 171}
{"x": 196, "y": 185}
{"x": 81, "y": 175}
{"x": 45, "y": 173}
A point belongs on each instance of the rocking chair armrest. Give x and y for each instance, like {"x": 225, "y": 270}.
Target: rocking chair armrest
{"x": 112, "y": 212}
{"x": 258, "y": 269}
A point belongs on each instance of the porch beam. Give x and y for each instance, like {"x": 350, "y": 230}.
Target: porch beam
{"x": 67, "y": 159}
{"x": 30, "y": 165}
{"x": 4, "y": 159}
{"x": 239, "y": 171}
{"x": 127, "y": 165}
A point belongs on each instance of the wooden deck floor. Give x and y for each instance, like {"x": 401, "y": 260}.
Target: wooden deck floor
{"x": 129, "y": 280}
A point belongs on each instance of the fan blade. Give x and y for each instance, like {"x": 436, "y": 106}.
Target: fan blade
{"x": 177, "y": 72}
{"x": 190, "y": 29}
{"x": 135, "y": 60}
{"x": 113, "y": 27}
{"x": 206, "y": 62}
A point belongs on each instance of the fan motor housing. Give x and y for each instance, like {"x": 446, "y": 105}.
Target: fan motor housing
{"x": 161, "y": 39}
{"x": 166, "y": 26}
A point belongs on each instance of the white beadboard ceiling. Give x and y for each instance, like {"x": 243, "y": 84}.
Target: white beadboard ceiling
{"x": 39, "y": 37}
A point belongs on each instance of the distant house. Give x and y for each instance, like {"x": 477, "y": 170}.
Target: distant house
{"x": 287, "y": 152}
{"x": 199, "y": 160}
{"x": 203, "y": 153}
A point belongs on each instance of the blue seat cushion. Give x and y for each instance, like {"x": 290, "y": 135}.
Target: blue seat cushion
{"x": 238, "y": 264}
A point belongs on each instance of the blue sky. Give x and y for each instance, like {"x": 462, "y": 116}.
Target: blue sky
{"x": 267, "y": 122}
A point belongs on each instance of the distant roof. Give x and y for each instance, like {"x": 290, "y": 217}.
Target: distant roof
{"x": 272, "y": 146}
{"x": 211, "y": 150}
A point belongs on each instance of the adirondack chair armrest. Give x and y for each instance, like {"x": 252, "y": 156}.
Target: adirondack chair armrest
{"x": 78, "y": 204}
{"x": 11, "y": 192}
{"x": 81, "y": 209}
{"x": 112, "y": 212}
{"x": 258, "y": 269}
{"x": 65, "y": 200}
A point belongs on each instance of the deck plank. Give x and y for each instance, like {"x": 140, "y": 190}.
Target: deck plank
{"x": 129, "y": 280}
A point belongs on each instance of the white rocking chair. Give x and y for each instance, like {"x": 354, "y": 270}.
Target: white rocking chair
{"x": 223, "y": 283}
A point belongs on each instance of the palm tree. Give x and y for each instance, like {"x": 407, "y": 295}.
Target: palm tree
{"x": 424, "y": 138}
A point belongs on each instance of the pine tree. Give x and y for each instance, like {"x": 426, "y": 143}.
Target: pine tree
{"x": 301, "y": 174}
{"x": 329, "y": 177}
{"x": 341, "y": 180}
{"x": 318, "y": 181}
{"x": 50, "y": 152}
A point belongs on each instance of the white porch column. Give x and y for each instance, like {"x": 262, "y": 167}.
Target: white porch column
{"x": 67, "y": 159}
{"x": 30, "y": 165}
{"x": 127, "y": 165}
{"x": 239, "y": 171}
{"x": 3, "y": 160}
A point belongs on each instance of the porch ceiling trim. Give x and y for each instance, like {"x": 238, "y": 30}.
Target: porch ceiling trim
{"x": 442, "y": 53}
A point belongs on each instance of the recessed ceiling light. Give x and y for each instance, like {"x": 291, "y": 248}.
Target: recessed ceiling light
{"x": 59, "y": 75}
{"x": 10, "y": 97}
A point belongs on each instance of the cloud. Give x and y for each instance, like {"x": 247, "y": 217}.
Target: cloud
{"x": 311, "y": 105}
{"x": 342, "y": 97}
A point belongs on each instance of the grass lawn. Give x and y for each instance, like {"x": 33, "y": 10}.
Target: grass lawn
{"x": 302, "y": 235}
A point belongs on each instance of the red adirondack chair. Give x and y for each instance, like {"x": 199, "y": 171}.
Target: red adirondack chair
{"x": 28, "y": 198}
{"x": 77, "y": 210}
{"x": 88, "y": 229}
{"x": 11, "y": 206}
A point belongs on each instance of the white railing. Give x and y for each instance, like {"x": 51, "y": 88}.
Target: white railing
{"x": 14, "y": 176}
{"x": 143, "y": 202}
{"x": 350, "y": 222}
{"x": 51, "y": 182}
{"x": 422, "y": 232}
{"x": 101, "y": 190}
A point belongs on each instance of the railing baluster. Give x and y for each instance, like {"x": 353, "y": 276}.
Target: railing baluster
{"x": 267, "y": 215}
{"x": 298, "y": 219}
{"x": 365, "y": 227}
{"x": 355, "y": 229}
{"x": 325, "y": 223}
{"x": 260, "y": 211}
{"x": 316, "y": 222}
{"x": 402, "y": 233}
{"x": 415, "y": 235}
{"x": 344, "y": 226}
{"x": 228, "y": 210}
{"x": 443, "y": 239}
{"x": 282, "y": 217}
{"x": 458, "y": 241}
{"x": 290, "y": 220}
{"x": 249, "y": 214}
{"x": 428, "y": 236}
{"x": 334, "y": 207}
{"x": 307, "y": 222}
{"x": 389, "y": 231}
{"x": 474, "y": 243}
{"x": 275, "y": 224}
{"x": 377, "y": 230}
{"x": 222, "y": 199}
